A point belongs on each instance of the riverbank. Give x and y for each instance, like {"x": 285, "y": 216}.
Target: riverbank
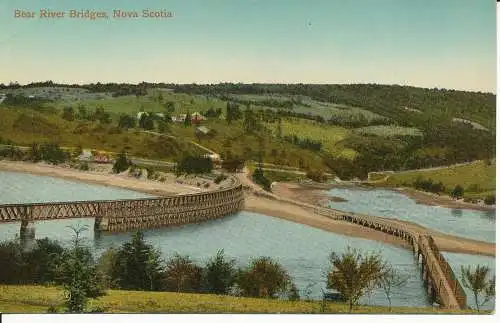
{"x": 102, "y": 176}
{"x": 441, "y": 200}
{"x": 312, "y": 194}
{"x": 257, "y": 204}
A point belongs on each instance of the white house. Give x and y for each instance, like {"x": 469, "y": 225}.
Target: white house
{"x": 2, "y": 97}
{"x": 213, "y": 157}
{"x": 86, "y": 155}
{"x": 139, "y": 115}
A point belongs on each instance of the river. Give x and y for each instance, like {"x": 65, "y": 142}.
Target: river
{"x": 302, "y": 250}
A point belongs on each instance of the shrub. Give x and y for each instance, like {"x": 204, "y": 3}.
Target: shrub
{"x": 121, "y": 164}
{"x": 317, "y": 176}
{"x": 220, "y": 178}
{"x": 259, "y": 178}
{"x": 490, "y": 200}
{"x": 264, "y": 277}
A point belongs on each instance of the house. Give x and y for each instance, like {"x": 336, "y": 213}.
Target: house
{"x": 86, "y": 155}
{"x": 101, "y": 158}
{"x": 197, "y": 117}
{"x": 180, "y": 118}
{"x": 139, "y": 115}
{"x": 203, "y": 130}
{"x": 2, "y": 97}
{"x": 213, "y": 157}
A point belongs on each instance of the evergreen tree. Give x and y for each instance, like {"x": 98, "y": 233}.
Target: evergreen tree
{"x": 137, "y": 265}
{"x": 121, "y": 164}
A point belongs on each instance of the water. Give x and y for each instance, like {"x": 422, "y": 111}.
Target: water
{"x": 471, "y": 224}
{"x": 26, "y": 188}
{"x": 302, "y": 250}
{"x": 457, "y": 259}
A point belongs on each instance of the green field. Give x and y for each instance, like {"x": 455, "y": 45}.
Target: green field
{"x": 37, "y": 299}
{"x": 388, "y": 131}
{"x": 468, "y": 176}
{"x": 152, "y": 102}
{"x": 330, "y": 136}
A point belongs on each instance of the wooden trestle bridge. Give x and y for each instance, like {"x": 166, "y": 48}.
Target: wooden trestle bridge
{"x": 122, "y": 215}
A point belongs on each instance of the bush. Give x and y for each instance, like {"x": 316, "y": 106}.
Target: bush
{"x": 490, "y": 200}
{"x": 219, "y": 274}
{"x": 317, "y": 176}
{"x": 194, "y": 165}
{"x": 121, "y": 164}
{"x": 265, "y": 278}
{"x": 220, "y": 178}
{"x": 182, "y": 275}
{"x": 259, "y": 178}
{"x": 83, "y": 166}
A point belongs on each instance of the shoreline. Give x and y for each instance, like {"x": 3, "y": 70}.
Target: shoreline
{"x": 419, "y": 197}
{"x": 257, "y": 204}
{"x": 155, "y": 188}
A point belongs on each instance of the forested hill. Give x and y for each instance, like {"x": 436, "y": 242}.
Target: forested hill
{"x": 408, "y": 105}
{"x": 346, "y": 129}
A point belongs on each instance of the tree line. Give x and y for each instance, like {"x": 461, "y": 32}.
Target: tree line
{"x": 137, "y": 265}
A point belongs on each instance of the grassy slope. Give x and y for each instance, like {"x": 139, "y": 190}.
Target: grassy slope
{"x": 26, "y": 126}
{"x": 476, "y": 173}
{"x": 328, "y": 135}
{"x": 37, "y": 299}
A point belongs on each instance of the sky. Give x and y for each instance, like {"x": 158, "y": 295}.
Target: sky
{"x": 426, "y": 43}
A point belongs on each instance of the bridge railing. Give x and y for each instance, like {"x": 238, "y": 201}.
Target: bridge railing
{"x": 446, "y": 295}
{"x": 449, "y": 273}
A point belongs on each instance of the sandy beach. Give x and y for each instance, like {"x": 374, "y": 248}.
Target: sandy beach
{"x": 264, "y": 203}
{"x": 168, "y": 188}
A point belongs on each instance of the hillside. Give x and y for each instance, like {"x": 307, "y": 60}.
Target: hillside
{"x": 349, "y": 130}
{"x": 25, "y": 126}
{"x": 477, "y": 178}
{"x": 37, "y": 299}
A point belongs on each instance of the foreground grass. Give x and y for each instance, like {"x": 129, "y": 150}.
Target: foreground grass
{"x": 37, "y": 299}
{"x": 478, "y": 178}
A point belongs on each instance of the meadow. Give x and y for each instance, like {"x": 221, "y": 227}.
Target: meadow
{"x": 477, "y": 178}
{"x": 388, "y": 131}
{"x": 330, "y": 136}
{"x": 37, "y": 299}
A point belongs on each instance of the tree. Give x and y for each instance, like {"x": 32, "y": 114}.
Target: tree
{"x": 35, "y": 155}
{"x": 82, "y": 112}
{"x": 233, "y": 164}
{"x": 52, "y": 153}
{"x": 477, "y": 282}
{"x": 42, "y": 261}
{"x": 391, "y": 279}
{"x": 102, "y": 116}
{"x": 146, "y": 121}
{"x": 169, "y": 107}
{"x": 137, "y": 265}
{"x": 194, "y": 165}
{"x": 126, "y": 121}
{"x": 187, "y": 120}
{"x": 219, "y": 274}
{"x": 250, "y": 123}
{"x": 121, "y": 164}
{"x": 265, "y": 278}
{"x": 182, "y": 275}
{"x": 78, "y": 274}
{"x": 68, "y": 113}
{"x": 354, "y": 274}
{"x": 259, "y": 178}
{"x": 457, "y": 192}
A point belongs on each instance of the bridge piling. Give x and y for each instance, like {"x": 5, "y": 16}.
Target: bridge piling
{"x": 26, "y": 233}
